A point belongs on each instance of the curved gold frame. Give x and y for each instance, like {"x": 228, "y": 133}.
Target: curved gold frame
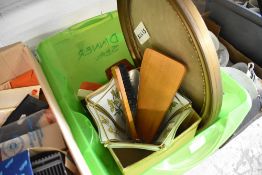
{"x": 193, "y": 47}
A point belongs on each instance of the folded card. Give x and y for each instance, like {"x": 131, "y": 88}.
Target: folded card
{"x": 26, "y": 79}
{"x": 11, "y": 98}
{"x": 27, "y": 124}
{"x": 4, "y": 113}
{"x": 49, "y": 136}
{"x": 28, "y": 106}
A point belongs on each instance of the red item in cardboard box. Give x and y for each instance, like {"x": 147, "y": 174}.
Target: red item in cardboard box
{"x": 26, "y": 79}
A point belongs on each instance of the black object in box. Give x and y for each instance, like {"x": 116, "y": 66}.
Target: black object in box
{"x": 49, "y": 163}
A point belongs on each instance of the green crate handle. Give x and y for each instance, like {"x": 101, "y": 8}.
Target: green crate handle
{"x": 92, "y": 22}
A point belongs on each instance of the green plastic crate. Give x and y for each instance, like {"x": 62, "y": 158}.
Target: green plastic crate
{"x": 82, "y": 53}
